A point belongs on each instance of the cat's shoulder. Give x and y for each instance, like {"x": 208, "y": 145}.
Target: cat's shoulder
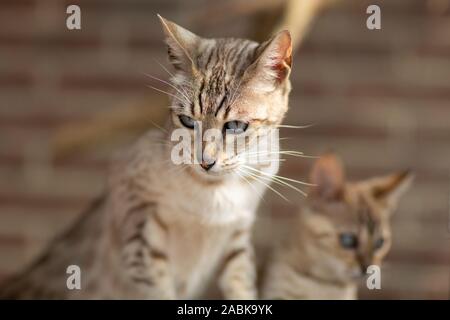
{"x": 152, "y": 139}
{"x": 148, "y": 146}
{"x": 145, "y": 153}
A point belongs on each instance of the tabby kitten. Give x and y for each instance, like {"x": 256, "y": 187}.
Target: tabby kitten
{"x": 164, "y": 230}
{"x": 342, "y": 229}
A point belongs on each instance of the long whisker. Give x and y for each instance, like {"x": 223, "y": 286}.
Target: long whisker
{"x": 163, "y": 67}
{"x": 279, "y": 151}
{"x": 283, "y": 183}
{"x": 297, "y": 154}
{"x": 171, "y": 74}
{"x": 168, "y": 93}
{"x": 285, "y": 152}
{"x": 295, "y": 127}
{"x": 184, "y": 94}
{"x": 251, "y": 185}
{"x": 257, "y": 178}
{"x": 158, "y": 126}
{"x": 246, "y": 156}
{"x": 267, "y": 160}
{"x": 280, "y": 177}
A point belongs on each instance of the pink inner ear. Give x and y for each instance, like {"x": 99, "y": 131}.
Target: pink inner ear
{"x": 328, "y": 175}
{"x": 281, "y": 56}
{"x": 281, "y": 71}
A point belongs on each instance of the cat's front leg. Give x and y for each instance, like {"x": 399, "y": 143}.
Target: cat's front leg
{"x": 145, "y": 255}
{"x": 237, "y": 277}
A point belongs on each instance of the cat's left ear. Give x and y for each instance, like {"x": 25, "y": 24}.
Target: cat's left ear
{"x": 391, "y": 188}
{"x": 182, "y": 45}
{"x": 273, "y": 63}
{"x": 328, "y": 177}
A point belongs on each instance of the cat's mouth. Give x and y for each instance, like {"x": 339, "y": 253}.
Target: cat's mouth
{"x": 222, "y": 172}
{"x": 214, "y": 176}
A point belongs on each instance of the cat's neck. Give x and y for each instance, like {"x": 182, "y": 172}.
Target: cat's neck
{"x": 315, "y": 288}
{"x": 292, "y": 276}
{"x": 309, "y": 262}
{"x": 180, "y": 188}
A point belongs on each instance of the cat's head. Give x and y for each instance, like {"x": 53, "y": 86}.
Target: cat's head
{"x": 348, "y": 224}
{"x": 231, "y": 87}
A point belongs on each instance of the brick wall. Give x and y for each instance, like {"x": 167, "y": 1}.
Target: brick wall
{"x": 379, "y": 98}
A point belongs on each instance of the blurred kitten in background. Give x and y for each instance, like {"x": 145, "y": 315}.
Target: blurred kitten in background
{"x": 342, "y": 229}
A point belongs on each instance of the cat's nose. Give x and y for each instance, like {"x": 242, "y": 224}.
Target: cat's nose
{"x": 207, "y": 165}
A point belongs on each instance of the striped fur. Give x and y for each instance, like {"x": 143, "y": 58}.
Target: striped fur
{"x": 165, "y": 231}
{"x": 311, "y": 263}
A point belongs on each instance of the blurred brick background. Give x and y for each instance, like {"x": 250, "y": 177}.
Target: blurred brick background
{"x": 379, "y": 98}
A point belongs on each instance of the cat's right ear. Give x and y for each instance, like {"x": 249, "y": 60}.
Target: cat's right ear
{"x": 272, "y": 66}
{"x": 391, "y": 188}
{"x": 328, "y": 177}
{"x": 181, "y": 44}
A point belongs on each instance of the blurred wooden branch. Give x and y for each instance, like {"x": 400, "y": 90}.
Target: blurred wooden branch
{"x": 132, "y": 117}
{"x": 297, "y": 16}
{"x": 234, "y": 8}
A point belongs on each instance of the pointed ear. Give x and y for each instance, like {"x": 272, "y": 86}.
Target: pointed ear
{"x": 181, "y": 44}
{"x": 390, "y": 188}
{"x": 328, "y": 176}
{"x": 273, "y": 63}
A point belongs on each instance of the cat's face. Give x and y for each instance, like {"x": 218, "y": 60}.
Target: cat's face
{"x": 349, "y": 223}
{"x": 225, "y": 90}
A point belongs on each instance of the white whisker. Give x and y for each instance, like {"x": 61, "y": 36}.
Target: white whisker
{"x": 164, "y": 68}
{"x": 280, "y": 177}
{"x": 165, "y": 92}
{"x": 283, "y": 183}
{"x": 287, "y": 152}
{"x": 295, "y": 127}
{"x": 257, "y": 178}
{"x": 251, "y": 185}
{"x": 184, "y": 94}
{"x": 158, "y": 126}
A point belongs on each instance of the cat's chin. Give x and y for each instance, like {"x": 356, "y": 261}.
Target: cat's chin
{"x": 211, "y": 176}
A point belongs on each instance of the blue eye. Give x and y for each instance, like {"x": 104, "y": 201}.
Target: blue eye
{"x": 348, "y": 240}
{"x": 235, "y": 127}
{"x": 186, "y": 121}
{"x": 379, "y": 243}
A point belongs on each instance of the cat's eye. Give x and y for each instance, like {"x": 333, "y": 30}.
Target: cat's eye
{"x": 235, "y": 127}
{"x": 186, "y": 121}
{"x": 348, "y": 240}
{"x": 378, "y": 243}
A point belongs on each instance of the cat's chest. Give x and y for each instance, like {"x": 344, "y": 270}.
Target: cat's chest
{"x": 218, "y": 204}
{"x": 201, "y": 223}
{"x": 195, "y": 252}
